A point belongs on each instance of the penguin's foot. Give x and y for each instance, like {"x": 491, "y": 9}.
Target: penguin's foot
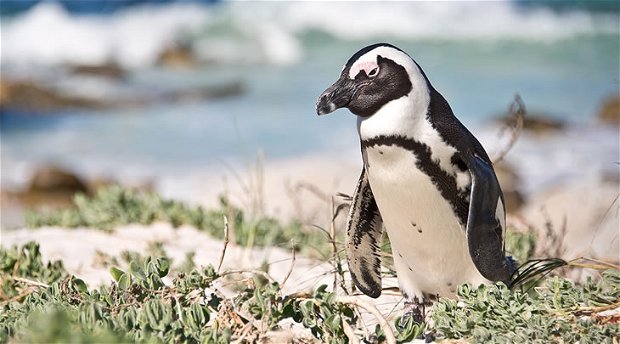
{"x": 414, "y": 310}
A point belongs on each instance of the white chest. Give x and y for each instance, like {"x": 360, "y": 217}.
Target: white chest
{"x": 428, "y": 242}
{"x": 410, "y": 203}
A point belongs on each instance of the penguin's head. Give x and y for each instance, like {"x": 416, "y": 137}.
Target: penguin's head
{"x": 373, "y": 77}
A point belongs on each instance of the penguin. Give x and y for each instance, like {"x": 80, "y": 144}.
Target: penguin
{"x": 425, "y": 178}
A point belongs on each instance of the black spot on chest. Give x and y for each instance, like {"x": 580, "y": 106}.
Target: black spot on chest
{"x": 414, "y": 225}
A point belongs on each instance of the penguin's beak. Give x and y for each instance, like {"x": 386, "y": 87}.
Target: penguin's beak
{"x": 336, "y": 96}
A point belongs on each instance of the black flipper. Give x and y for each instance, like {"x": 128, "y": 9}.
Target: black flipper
{"x": 484, "y": 229}
{"x": 363, "y": 239}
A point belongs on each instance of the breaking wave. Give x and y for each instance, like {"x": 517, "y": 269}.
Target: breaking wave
{"x": 243, "y": 32}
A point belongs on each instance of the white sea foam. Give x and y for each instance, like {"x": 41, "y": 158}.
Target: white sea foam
{"x": 438, "y": 20}
{"x": 243, "y": 32}
{"x": 47, "y": 34}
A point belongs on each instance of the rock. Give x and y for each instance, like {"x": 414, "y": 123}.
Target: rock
{"x": 536, "y": 123}
{"x": 200, "y": 93}
{"x": 55, "y": 179}
{"x": 541, "y": 126}
{"x": 50, "y": 187}
{"x": 109, "y": 70}
{"x": 510, "y": 183}
{"x": 30, "y": 96}
{"x": 177, "y": 56}
{"x": 609, "y": 112}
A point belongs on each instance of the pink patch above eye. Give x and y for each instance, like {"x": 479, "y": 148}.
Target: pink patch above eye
{"x": 362, "y": 66}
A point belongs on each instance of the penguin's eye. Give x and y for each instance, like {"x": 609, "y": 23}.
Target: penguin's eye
{"x": 373, "y": 72}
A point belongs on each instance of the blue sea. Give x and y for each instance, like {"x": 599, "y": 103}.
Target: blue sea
{"x": 562, "y": 60}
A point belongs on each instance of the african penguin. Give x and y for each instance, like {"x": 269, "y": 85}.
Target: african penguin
{"x": 425, "y": 177}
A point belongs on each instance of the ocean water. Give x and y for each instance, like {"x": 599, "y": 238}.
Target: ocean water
{"x": 478, "y": 55}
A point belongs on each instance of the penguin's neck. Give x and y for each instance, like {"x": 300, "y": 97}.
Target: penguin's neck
{"x": 407, "y": 116}
{"x": 410, "y": 116}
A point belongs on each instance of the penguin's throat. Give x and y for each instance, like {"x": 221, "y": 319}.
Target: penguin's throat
{"x": 405, "y": 116}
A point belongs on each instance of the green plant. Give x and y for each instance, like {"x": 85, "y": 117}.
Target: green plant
{"x": 140, "y": 307}
{"x": 114, "y": 206}
{"x": 42, "y": 303}
{"x": 22, "y": 267}
{"x": 560, "y": 311}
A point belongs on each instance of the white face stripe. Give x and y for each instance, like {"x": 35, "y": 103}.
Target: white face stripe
{"x": 393, "y": 54}
{"x": 387, "y": 52}
{"x": 365, "y": 66}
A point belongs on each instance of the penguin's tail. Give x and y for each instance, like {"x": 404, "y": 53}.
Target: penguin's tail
{"x": 532, "y": 270}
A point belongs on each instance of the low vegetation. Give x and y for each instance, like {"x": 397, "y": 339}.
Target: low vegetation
{"x": 42, "y": 303}
{"x": 558, "y": 311}
{"x": 114, "y": 206}
{"x": 153, "y": 300}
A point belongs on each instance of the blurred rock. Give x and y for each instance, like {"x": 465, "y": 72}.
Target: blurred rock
{"x": 109, "y": 70}
{"x": 56, "y": 179}
{"x": 177, "y": 56}
{"x": 29, "y": 96}
{"x": 50, "y": 187}
{"x": 537, "y": 123}
{"x": 510, "y": 183}
{"x": 577, "y": 219}
{"x": 542, "y": 125}
{"x": 609, "y": 112}
{"x": 200, "y": 93}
